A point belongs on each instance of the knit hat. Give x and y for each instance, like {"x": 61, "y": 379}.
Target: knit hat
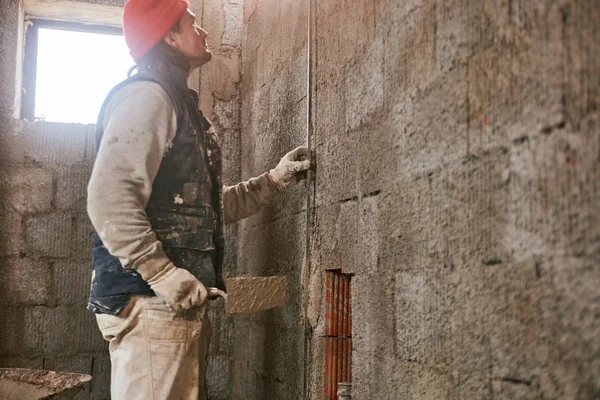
{"x": 146, "y": 22}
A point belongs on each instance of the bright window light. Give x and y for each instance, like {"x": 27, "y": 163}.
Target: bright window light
{"x": 75, "y": 72}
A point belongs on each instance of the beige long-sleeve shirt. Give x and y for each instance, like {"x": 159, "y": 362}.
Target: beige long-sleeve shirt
{"x": 139, "y": 124}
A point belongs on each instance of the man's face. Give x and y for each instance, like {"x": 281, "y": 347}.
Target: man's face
{"x": 190, "y": 40}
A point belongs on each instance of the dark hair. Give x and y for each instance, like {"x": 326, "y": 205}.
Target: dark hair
{"x": 162, "y": 57}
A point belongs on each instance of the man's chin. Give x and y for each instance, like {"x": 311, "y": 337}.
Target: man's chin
{"x": 206, "y": 57}
{"x": 200, "y": 61}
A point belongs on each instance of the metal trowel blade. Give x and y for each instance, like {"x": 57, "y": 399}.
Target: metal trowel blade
{"x": 252, "y": 294}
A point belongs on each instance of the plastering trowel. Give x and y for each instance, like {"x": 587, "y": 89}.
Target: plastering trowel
{"x": 251, "y": 294}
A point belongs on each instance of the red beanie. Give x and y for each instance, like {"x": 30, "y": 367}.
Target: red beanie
{"x": 146, "y": 22}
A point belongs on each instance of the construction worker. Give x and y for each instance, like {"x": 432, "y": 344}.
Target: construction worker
{"x": 158, "y": 206}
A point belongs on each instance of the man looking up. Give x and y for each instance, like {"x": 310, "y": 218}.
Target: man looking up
{"x": 157, "y": 203}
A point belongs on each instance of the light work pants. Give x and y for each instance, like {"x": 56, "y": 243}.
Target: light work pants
{"x": 154, "y": 353}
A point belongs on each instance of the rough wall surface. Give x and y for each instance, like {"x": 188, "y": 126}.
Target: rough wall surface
{"x": 268, "y": 346}
{"x": 458, "y": 147}
{"x": 45, "y": 236}
{"x": 458, "y": 152}
{"x": 220, "y": 102}
{"x": 45, "y": 247}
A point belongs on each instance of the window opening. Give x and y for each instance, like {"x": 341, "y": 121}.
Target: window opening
{"x": 69, "y": 68}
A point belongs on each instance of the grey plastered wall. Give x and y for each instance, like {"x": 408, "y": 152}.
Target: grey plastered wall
{"x": 268, "y": 347}
{"x": 458, "y": 153}
{"x": 458, "y": 178}
{"x": 220, "y": 101}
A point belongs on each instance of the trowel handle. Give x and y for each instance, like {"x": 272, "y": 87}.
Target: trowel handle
{"x": 214, "y": 292}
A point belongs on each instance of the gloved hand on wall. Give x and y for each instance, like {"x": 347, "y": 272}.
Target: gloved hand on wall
{"x": 178, "y": 288}
{"x": 291, "y": 168}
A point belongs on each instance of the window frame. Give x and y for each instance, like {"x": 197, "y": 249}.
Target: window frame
{"x": 97, "y": 15}
{"x": 29, "y": 77}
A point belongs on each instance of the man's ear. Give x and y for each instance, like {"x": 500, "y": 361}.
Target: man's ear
{"x": 170, "y": 39}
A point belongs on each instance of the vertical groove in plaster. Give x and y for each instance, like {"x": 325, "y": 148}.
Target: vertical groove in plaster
{"x": 309, "y": 214}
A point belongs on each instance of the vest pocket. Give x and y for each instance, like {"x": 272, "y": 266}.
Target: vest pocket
{"x": 185, "y": 230}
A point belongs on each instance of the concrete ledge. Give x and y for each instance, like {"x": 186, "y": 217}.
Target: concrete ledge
{"x": 92, "y": 14}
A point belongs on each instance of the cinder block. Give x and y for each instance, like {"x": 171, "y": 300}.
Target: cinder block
{"x": 76, "y": 364}
{"x": 24, "y": 281}
{"x": 56, "y": 143}
{"x": 81, "y": 243}
{"x": 248, "y": 336}
{"x": 221, "y": 327}
{"x": 12, "y": 132}
{"x": 34, "y": 330}
{"x": 232, "y": 31}
{"x": 475, "y": 385}
{"x": 364, "y": 86}
{"x": 100, "y": 385}
{"x": 66, "y": 330}
{"x": 12, "y": 238}
{"x": 72, "y": 282}
{"x": 509, "y": 388}
{"x": 21, "y": 362}
{"x": 273, "y": 248}
{"x": 249, "y": 8}
{"x": 231, "y": 155}
{"x": 338, "y": 168}
{"x": 90, "y": 144}
{"x": 358, "y": 235}
{"x": 453, "y": 42}
{"x": 71, "y": 191}
{"x": 228, "y": 116}
{"x": 49, "y": 235}
{"x": 27, "y": 190}
{"x": 286, "y": 358}
{"x": 12, "y": 331}
{"x": 373, "y": 324}
{"x": 90, "y": 338}
{"x": 409, "y": 315}
{"x": 218, "y": 377}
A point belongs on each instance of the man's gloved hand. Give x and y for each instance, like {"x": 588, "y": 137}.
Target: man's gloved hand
{"x": 178, "y": 288}
{"x": 291, "y": 169}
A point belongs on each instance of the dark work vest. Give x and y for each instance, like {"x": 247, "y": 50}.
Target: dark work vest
{"x": 185, "y": 208}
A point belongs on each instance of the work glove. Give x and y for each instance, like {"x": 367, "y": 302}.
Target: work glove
{"x": 292, "y": 168}
{"x": 178, "y": 288}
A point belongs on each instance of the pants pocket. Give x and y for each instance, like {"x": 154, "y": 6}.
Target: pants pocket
{"x": 109, "y": 324}
{"x": 163, "y": 325}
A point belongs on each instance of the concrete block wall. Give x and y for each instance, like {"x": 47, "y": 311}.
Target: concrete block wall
{"x": 458, "y": 167}
{"x": 45, "y": 238}
{"x": 268, "y": 347}
{"x": 457, "y": 148}
{"x": 45, "y": 241}
{"x": 45, "y": 252}
{"x": 218, "y": 85}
